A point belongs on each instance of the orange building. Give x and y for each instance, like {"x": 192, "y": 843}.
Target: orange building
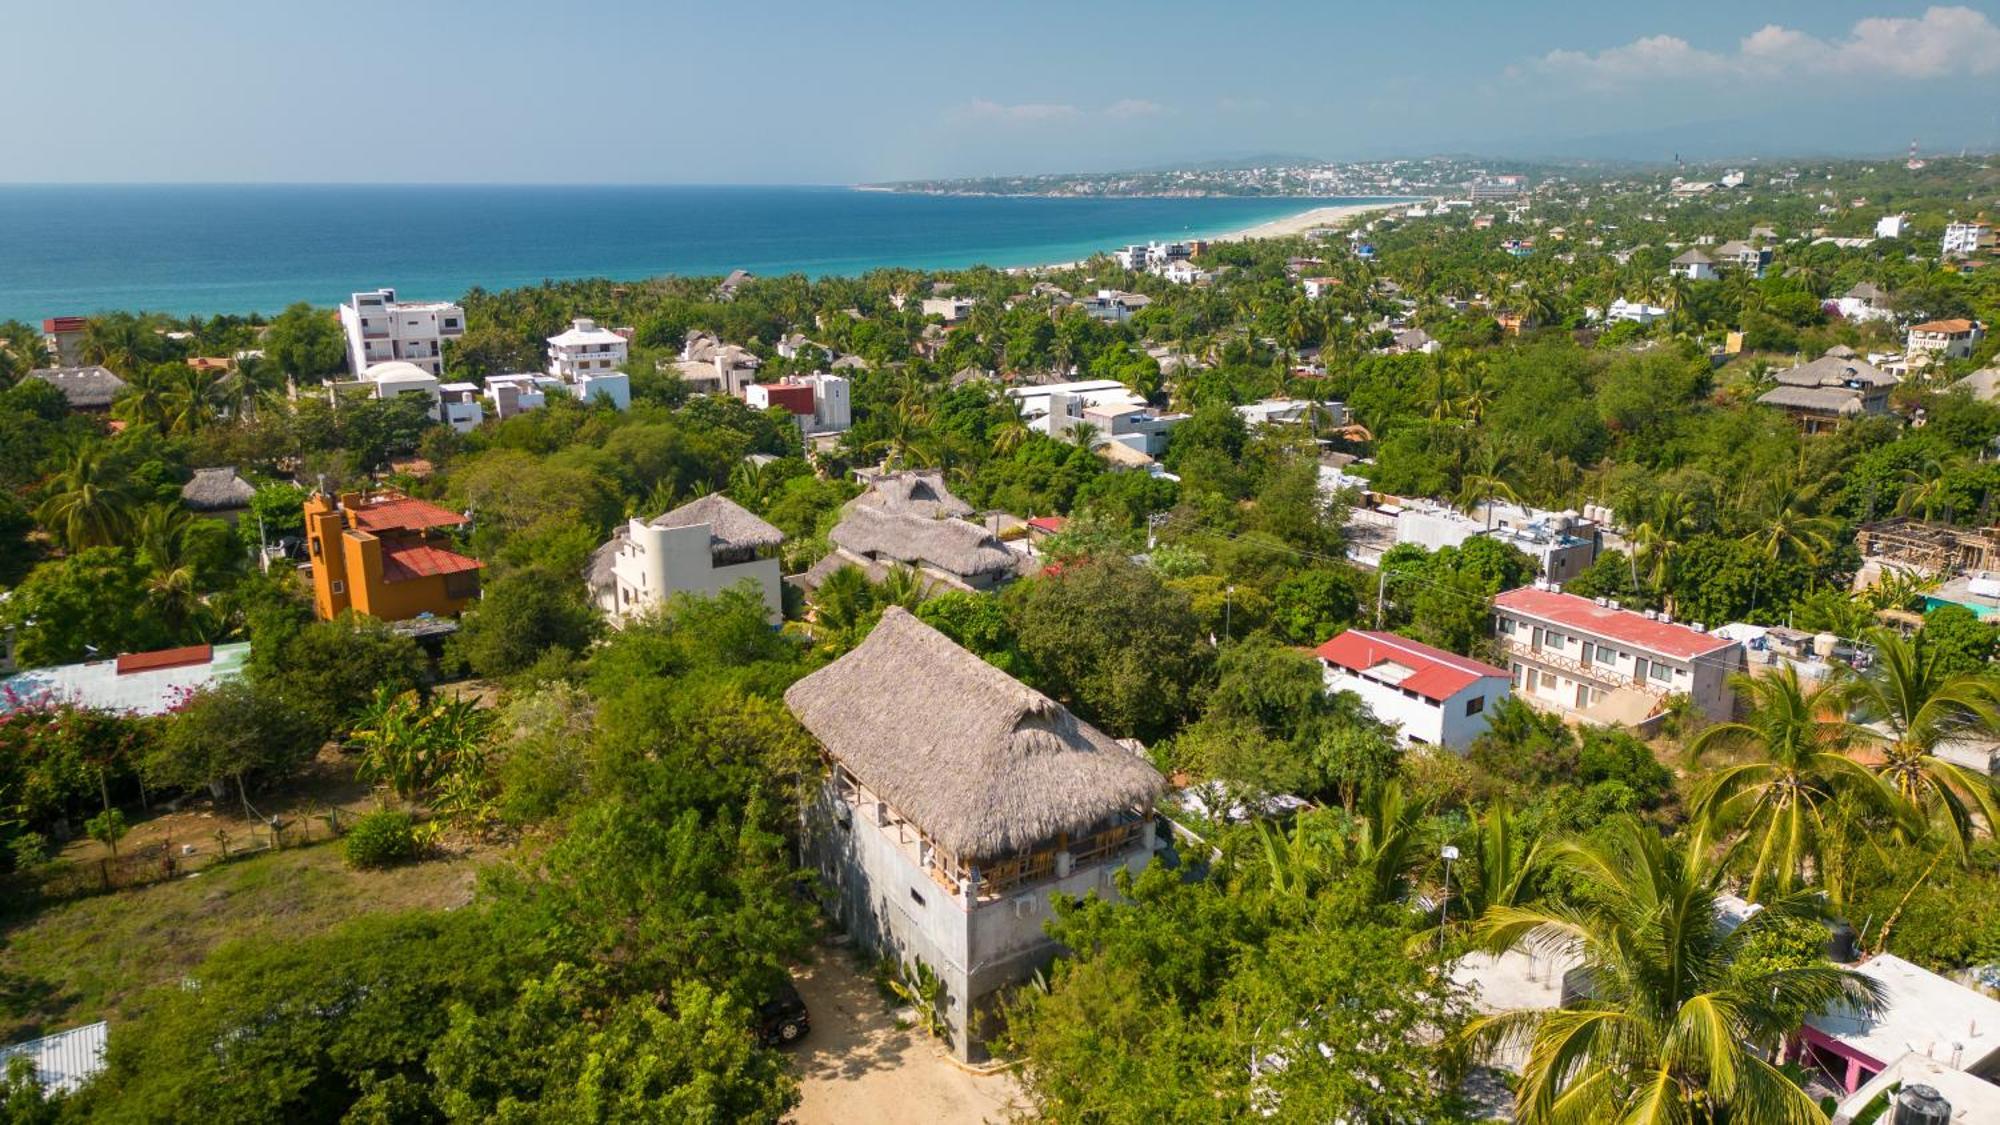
{"x": 386, "y": 555}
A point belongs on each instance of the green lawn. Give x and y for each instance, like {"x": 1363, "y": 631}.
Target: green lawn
{"x": 90, "y": 959}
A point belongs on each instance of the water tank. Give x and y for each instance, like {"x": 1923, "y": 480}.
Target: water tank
{"x": 1842, "y": 947}
{"x": 1921, "y": 1105}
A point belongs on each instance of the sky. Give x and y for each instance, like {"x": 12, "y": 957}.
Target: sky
{"x": 780, "y": 91}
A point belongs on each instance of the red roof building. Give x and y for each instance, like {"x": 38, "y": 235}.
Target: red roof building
{"x": 1434, "y": 697}
{"x": 1604, "y": 664}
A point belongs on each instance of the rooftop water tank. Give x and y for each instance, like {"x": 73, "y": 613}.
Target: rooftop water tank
{"x": 1921, "y": 1105}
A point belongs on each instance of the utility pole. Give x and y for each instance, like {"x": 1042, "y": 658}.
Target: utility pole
{"x": 1228, "y": 604}
{"x": 1153, "y": 523}
{"x": 1381, "y": 592}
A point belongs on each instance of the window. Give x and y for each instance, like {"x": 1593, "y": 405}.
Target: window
{"x": 917, "y": 898}
{"x": 451, "y": 322}
{"x": 1662, "y": 673}
{"x": 1475, "y": 705}
{"x": 337, "y": 586}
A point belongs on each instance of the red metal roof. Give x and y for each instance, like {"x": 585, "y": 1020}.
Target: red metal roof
{"x": 404, "y": 561}
{"x": 401, "y": 511}
{"x": 1635, "y": 629}
{"x": 164, "y": 658}
{"x": 1434, "y": 673}
{"x": 56, "y": 324}
{"x": 1050, "y": 524}
{"x": 797, "y": 398}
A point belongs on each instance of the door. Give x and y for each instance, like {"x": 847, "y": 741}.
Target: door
{"x": 1639, "y": 669}
{"x": 1582, "y": 697}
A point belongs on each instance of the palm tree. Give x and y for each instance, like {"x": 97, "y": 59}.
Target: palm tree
{"x": 1672, "y": 1028}
{"x": 1782, "y": 528}
{"x": 1083, "y": 435}
{"x": 144, "y": 399}
{"x": 903, "y": 585}
{"x": 1796, "y": 739}
{"x": 1926, "y": 489}
{"x": 1492, "y": 477}
{"x": 88, "y": 503}
{"x": 1668, "y": 523}
{"x": 842, "y": 608}
{"x": 1908, "y": 705}
{"x": 1385, "y": 841}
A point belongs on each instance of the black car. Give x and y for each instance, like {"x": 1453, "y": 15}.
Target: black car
{"x": 782, "y": 1018}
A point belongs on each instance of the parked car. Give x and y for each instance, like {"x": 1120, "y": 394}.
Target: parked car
{"x": 783, "y": 1018}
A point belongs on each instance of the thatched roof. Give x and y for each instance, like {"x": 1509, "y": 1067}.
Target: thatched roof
{"x": 86, "y": 388}
{"x": 731, "y": 526}
{"x": 951, "y": 545}
{"x": 982, "y": 763}
{"x": 732, "y": 529}
{"x": 919, "y": 492}
{"x": 217, "y": 489}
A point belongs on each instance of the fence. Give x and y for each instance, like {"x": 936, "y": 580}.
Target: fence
{"x": 170, "y": 859}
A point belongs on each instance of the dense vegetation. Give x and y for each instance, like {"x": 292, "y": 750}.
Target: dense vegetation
{"x": 641, "y": 786}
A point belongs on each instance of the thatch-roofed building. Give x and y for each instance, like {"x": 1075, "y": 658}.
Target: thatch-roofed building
{"x": 86, "y": 388}
{"x": 217, "y": 490}
{"x": 702, "y": 547}
{"x": 958, "y": 800}
{"x": 909, "y": 518}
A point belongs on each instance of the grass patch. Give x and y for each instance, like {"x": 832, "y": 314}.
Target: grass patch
{"x": 89, "y": 959}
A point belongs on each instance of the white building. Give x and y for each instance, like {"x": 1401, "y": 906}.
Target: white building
{"x": 703, "y": 547}
{"x": 957, "y": 804}
{"x": 1560, "y": 543}
{"x": 1113, "y": 306}
{"x": 1118, "y": 413}
{"x": 1638, "y": 312}
{"x": 459, "y": 406}
{"x": 1866, "y": 301}
{"x": 1693, "y": 265}
{"x": 1963, "y": 238}
{"x": 952, "y": 309}
{"x": 1923, "y": 1013}
{"x": 590, "y": 361}
{"x": 1317, "y": 287}
{"x": 1892, "y": 226}
{"x": 1602, "y": 664}
{"x": 140, "y": 683}
{"x": 1291, "y": 411}
{"x": 819, "y": 402}
{"x": 1945, "y": 339}
{"x": 1435, "y": 698}
{"x": 454, "y": 403}
{"x": 521, "y": 391}
{"x": 1183, "y": 272}
{"x": 382, "y": 329}
{"x": 709, "y": 366}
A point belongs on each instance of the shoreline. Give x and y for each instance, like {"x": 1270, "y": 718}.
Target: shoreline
{"x": 1285, "y": 226}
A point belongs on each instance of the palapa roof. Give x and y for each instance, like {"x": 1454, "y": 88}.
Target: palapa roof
{"x": 982, "y": 763}
{"x": 731, "y": 526}
{"x": 217, "y": 489}
{"x": 86, "y": 388}
{"x": 1693, "y": 258}
{"x": 1835, "y": 370}
{"x": 951, "y": 545}
{"x": 920, "y": 492}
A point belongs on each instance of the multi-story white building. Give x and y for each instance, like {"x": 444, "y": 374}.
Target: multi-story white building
{"x": 1603, "y": 664}
{"x": 958, "y": 803}
{"x": 703, "y": 547}
{"x": 456, "y": 404}
{"x": 382, "y": 329}
{"x": 1638, "y": 312}
{"x": 1892, "y": 226}
{"x": 819, "y": 402}
{"x": 1963, "y": 238}
{"x": 590, "y": 361}
{"x": 1945, "y": 339}
{"x": 1693, "y": 265}
{"x": 952, "y": 309}
{"x": 1435, "y": 698}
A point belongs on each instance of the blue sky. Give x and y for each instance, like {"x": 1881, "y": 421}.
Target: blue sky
{"x": 776, "y": 91}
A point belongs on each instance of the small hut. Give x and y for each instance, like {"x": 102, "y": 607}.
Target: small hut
{"x": 217, "y": 491}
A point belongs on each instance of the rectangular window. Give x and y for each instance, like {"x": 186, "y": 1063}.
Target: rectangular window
{"x": 337, "y": 586}
{"x": 1475, "y": 705}
{"x": 1662, "y": 673}
{"x": 917, "y": 898}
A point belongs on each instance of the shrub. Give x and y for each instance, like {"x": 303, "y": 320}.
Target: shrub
{"x": 381, "y": 838}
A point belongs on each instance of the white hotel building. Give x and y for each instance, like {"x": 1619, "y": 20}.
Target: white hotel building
{"x": 591, "y": 361}
{"x": 381, "y": 329}
{"x": 1435, "y": 698}
{"x": 1593, "y": 661}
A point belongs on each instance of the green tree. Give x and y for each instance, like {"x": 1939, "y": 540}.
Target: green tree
{"x": 1122, "y": 647}
{"x": 1909, "y": 702}
{"x": 231, "y": 731}
{"x": 1670, "y": 1030}
{"x": 305, "y": 343}
{"x": 94, "y": 601}
{"x": 89, "y": 501}
{"x": 519, "y": 617}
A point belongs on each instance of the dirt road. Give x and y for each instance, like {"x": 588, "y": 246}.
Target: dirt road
{"x": 857, "y": 1066}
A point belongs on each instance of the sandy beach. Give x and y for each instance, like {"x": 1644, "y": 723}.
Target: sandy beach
{"x": 1307, "y": 220}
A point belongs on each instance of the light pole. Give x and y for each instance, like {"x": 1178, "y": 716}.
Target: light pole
{"x": 1228, "y": 609}
{"x": 1449, "y": 853}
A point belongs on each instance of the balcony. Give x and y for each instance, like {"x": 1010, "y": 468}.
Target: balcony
{"x": 1603, "y": 674}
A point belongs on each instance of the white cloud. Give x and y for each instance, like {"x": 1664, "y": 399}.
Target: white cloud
{"x": 1941, "y": 43}
{"x": 1128, "y": 108}
{"x": 987, "y": 111}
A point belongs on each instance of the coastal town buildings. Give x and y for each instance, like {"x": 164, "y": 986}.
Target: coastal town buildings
{"x": 1963, "y": 239}
{"x": 1955, "y": 338}
{"x": 1592, "y": 660}
{"x": 91, "y": 388}
{"x": 62, "y": 339}
{"x": 590, "y": 361}
{"x": 908, "y": 518}
{"x": 1434, "y": 697}
{"x": 1863, "y": 302}
{"x": 819, "y": 402}
{"x": 702, "y": 547}
{"x": 709, "y": 366}
{"x": 958, "y": 801}
{"x": 456, "y": 404}
{"x": 386, "y": 555}
{"x": 1831, "y": 390}
{"x": 950, "y": 309}
{"x": 139, "y": 683}
{"x": 1693, "y": 265}
{"x": 381, "y": 329}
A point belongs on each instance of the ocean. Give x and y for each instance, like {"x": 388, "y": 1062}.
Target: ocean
{"x": 203, "y": 249}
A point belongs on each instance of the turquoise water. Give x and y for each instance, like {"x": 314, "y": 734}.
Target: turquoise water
{"x": 235, "y": 249}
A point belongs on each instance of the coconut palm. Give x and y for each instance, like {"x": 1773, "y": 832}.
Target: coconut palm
{"x": 1908, "y": 705}
{"x": 1668, "y": 523}
{"x": 1795, "y": 743}
{"x": 1384, "y": 841}
{"x": 89, "y": 501}
{"x": 1782, "y": 526}
{"x": 903, "y": 585}
{"x": 1672, "y": 1028}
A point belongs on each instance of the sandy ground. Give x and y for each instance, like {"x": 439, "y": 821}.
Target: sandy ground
{"x": 857, "y": 1066}
{"x": 1306, "y": 220}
